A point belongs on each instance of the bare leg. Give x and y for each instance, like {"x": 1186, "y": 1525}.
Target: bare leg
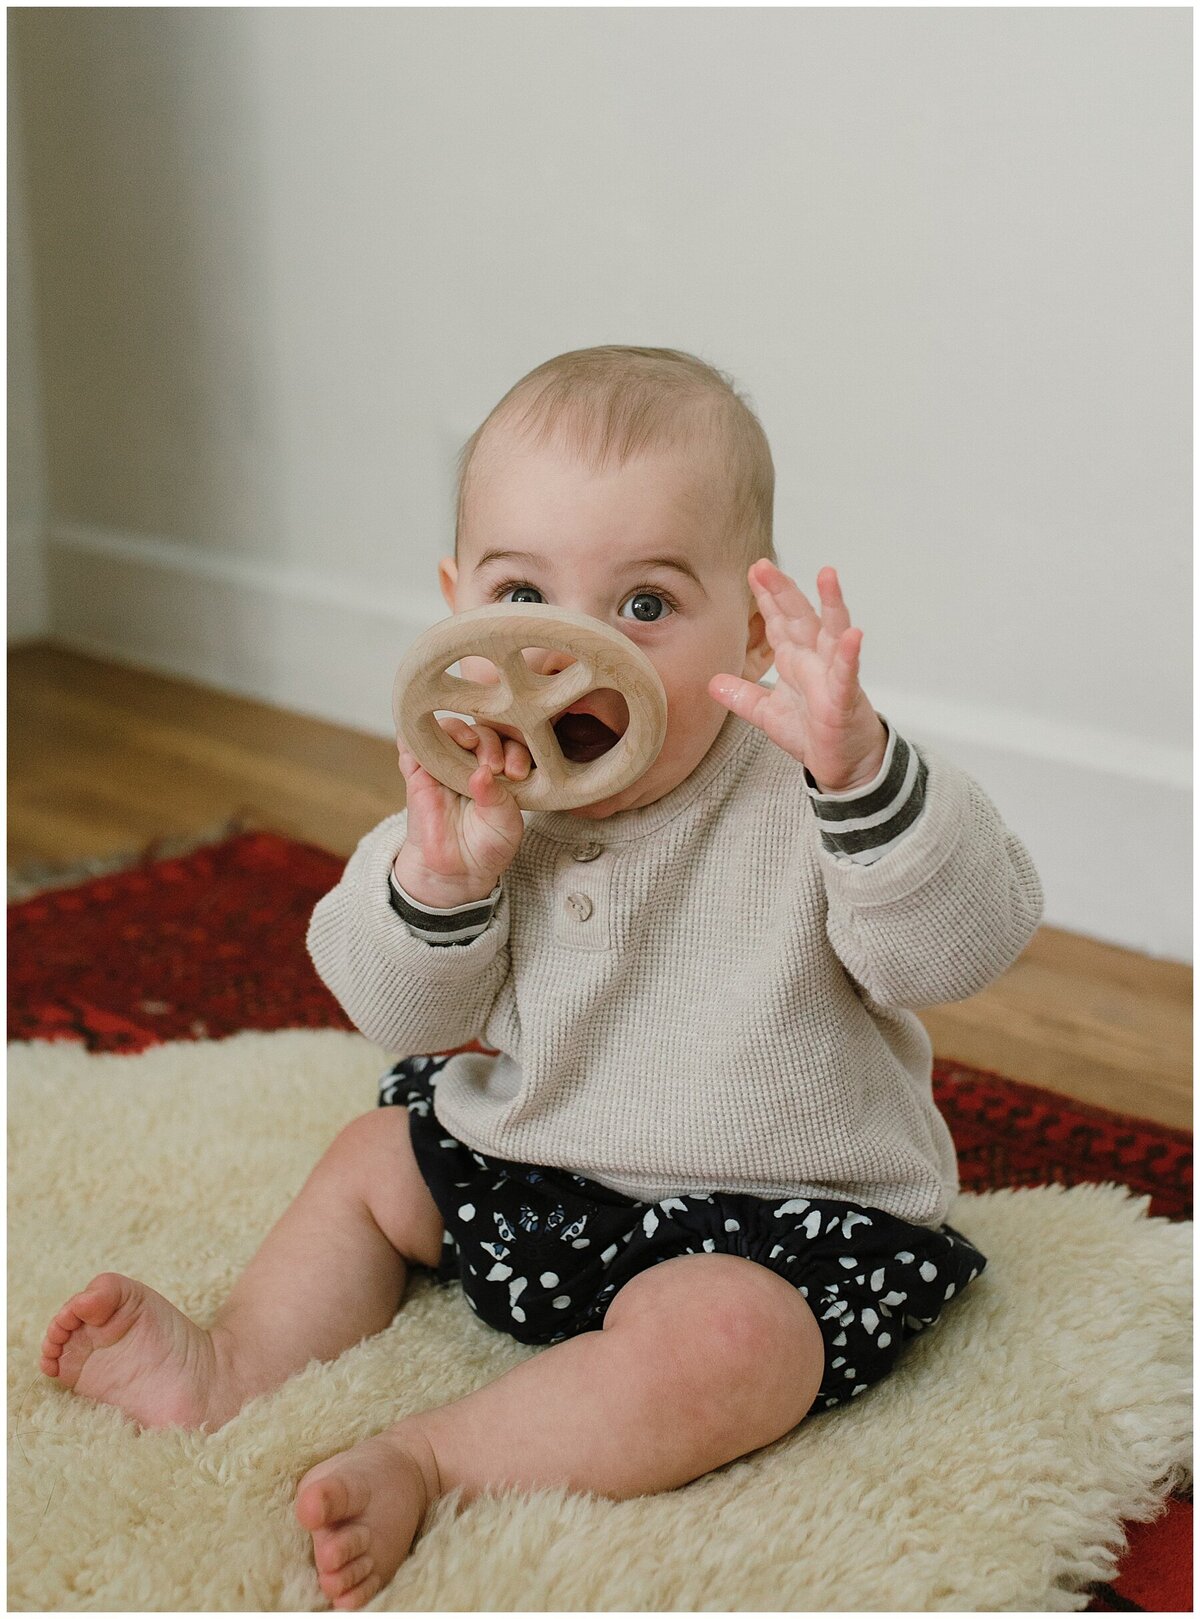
{"x": 330, "y": 1272}
{"x": 700, "y": 1360}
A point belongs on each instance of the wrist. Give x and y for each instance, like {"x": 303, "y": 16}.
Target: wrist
{"x": 441, "y": 893}
{"x": 854, "y": 785}
{"x": 866, "y": 773}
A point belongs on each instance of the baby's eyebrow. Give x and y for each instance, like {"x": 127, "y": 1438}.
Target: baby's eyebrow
{"x": 515, "y": 556}
{"x": 680, "y": 564}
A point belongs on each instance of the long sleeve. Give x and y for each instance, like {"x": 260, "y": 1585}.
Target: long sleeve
{"x": 403, "y": 992}
{"x": 442, "y": 924}
{"x": 946, "y": 910}
{"x": 864, "y": 824}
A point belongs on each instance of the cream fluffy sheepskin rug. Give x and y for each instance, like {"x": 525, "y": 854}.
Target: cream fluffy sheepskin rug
{"x": 991, "y": 1471}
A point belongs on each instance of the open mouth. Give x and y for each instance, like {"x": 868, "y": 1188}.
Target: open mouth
{"x": 582, "y": 737}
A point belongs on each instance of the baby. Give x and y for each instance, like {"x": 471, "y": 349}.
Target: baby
{"x": 699, "y": 1159}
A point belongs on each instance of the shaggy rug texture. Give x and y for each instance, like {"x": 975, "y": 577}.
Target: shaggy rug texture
{"x": 992, "y": 1471}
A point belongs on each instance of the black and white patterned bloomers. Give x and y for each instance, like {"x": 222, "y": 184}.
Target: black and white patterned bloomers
{"x": 540, "y": 1252}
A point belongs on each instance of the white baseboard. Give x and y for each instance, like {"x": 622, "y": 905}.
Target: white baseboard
{"x": 1107, "y": 817}
{"x": 301, "y": 640}
{"x": 28, "y": 608}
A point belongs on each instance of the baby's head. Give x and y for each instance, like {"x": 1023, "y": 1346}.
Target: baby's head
{"x": 593, "y": 474}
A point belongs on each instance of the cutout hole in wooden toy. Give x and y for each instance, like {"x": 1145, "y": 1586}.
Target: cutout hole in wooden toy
{"x": 482, "y": 671}
{"x": 546, "y": 662}
{"x": 500, "y": 728}
{"x": 599, "y": 722}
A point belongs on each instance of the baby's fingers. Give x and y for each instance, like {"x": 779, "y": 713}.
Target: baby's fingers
{"x": 482, "y": 739}
{"x": 843, "y": 674}
{"x": 518, "y": 761}
{"x": 503, "y": 755}
{"x": 744, "y": 698}
{"x": 485, "y": 789}
{"x": 787, "y": 611}
{"x": 491, "y": 749}
{"x": 465, "y": 735}
{"x": 835, "y": 614}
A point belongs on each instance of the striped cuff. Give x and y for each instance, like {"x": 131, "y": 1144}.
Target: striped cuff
{"x": 861, "y": 826}
{"x": 456, "y": 924}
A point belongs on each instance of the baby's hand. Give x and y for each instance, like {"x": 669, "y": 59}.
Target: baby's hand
{"x": 458, "y": 848}
{"x": 817, "y": 711}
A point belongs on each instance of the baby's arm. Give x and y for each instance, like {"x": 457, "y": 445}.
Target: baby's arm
{"x": 951, "y": 904}
{"x": 404, "y": 990}
{"x": 930, "y": 895}
{"x": 414, "y": 939}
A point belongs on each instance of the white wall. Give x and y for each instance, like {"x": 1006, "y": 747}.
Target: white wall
{"x": 286, "y": 260}
{"x": 28, "y": 606}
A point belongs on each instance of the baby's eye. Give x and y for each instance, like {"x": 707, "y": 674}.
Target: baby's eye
{"x": 643, "y": 610}
{"x": 516, "y": 590}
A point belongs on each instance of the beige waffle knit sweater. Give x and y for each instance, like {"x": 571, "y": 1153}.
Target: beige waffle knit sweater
{"x": 698, "y": 995}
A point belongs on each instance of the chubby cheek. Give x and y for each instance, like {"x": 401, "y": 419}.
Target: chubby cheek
{"x": 693, "y": 720}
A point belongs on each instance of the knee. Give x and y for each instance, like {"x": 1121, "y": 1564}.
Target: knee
{"x": 733, "y": 1326}
{"x": 738, "y": 1307}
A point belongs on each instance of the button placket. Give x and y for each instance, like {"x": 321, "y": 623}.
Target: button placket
{"x": 584, "y": 920}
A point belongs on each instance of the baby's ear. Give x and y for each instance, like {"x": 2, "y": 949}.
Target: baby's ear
{"x": 759, "y": 652}
{"x": 448, "y": 580}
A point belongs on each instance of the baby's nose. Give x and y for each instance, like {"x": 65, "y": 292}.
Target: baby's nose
{"x": 545, "y": 662}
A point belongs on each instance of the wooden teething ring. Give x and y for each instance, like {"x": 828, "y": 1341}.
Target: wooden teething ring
{"x": 528, "y": 701}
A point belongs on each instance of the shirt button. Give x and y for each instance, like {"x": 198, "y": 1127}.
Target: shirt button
{"x": 587, "y": 851}
{"x": 579, "y": 906}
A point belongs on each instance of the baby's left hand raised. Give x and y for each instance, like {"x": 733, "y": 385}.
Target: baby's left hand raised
{"x": 817, "y": 711}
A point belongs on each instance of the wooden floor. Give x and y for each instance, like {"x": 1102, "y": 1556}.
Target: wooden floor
{"x": 104, "y": 759}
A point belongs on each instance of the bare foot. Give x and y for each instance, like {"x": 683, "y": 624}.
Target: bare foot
{"x": 363, "y": 1509}
{"x": 124, "y": 1344}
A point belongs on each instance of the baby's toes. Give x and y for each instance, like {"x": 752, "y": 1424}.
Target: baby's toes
{"x": 340, "y": 1546}
{"x": 343, "y": 1581}
{"x": 65, "y": 1325}
{"x": 97, "y": 1304}
{"x": 361, "y": 1594}
{"x": 325, "y": 1498}
{"x": 57, "y": 1334}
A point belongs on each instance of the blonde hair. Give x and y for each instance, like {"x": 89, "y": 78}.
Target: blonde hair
{"x": 611, "y": 403}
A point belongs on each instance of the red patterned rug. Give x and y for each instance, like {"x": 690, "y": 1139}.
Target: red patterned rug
{"x": 212, "y": 942}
